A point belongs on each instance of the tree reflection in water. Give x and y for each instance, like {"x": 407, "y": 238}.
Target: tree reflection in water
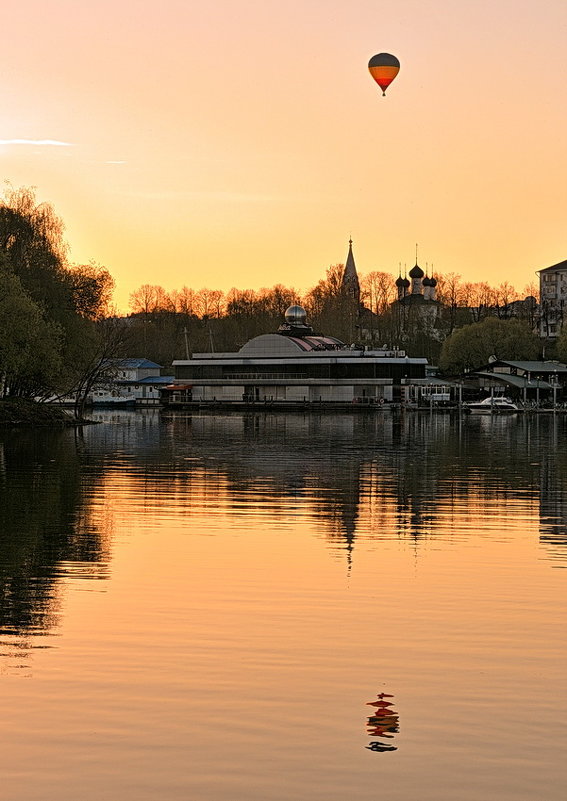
{"x": 46, "y": 533}
{"x": 359, "y": 479}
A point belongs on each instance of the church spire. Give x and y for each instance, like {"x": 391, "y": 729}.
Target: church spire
{"x": 350, "y": 277}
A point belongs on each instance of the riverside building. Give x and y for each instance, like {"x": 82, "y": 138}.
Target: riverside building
{"x": 553, "y": 299}
{"x": 297, "y": 368}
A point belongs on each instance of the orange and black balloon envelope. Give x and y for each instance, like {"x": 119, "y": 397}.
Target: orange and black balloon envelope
{"x": 384, "y": 67}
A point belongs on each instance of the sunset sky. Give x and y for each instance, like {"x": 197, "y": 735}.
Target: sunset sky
{"x": 229, "y": 143}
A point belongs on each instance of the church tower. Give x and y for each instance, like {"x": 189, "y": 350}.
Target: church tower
{"x": 351, "y": 286}
{"x": 416, "y": 274}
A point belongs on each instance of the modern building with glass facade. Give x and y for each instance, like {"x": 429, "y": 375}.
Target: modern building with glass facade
{"x": 295, "y": 367}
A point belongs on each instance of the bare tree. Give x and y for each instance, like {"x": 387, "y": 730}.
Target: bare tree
{"x": 145, "y": 299}
{"x": 531, "y": 290}
{"x": 218, "y": 303}
{"x": 101, "y": 344}
{"x": 334, "y": 280}
{"x": 207, "y": 301}
{"x": 277, "y": 300}
{"x": 241, "y": 302}
{"x": 479, "y": 298}
{"x": 184, "y": 301}
{"x": 449, "y": 294}
{"x": 505, "y": 294}
{"x": 378, "y": 290}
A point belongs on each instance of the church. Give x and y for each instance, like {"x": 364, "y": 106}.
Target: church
{"x": 421, "y": 290}
{"x": 416, "y": 295}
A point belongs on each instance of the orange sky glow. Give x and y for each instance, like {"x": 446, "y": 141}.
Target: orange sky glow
{"x": 242, "y": 143}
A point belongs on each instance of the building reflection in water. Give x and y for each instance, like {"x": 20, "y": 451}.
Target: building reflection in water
{"x": 553, "y": 498}
{"x": 380, "y": 476}
{"x": 355, "y": 478}
{"x": 382, "y": 723}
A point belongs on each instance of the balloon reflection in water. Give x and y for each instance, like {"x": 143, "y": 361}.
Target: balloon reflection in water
{"x": 383, "y": 723}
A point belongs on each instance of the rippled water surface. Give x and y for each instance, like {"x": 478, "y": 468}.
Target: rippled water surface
{"x": 266, "y": 608}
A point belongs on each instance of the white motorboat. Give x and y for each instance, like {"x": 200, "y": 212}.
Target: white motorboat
{"x": 110, "y": 398}
{"x": 493, "y": 405}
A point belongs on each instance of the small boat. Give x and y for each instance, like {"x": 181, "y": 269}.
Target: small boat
{"x": 493, "y": 405}
{"x": 110, "y": 399}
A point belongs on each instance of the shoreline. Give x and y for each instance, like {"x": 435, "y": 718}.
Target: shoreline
{"x": 17, "y": 412}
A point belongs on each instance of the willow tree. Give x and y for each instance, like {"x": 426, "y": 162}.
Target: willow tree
{"x": 30, "y": 345}
{"x": 54, "y": 307}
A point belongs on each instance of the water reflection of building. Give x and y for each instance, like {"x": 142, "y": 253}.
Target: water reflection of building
{"x": 369, "y": 477}
{"x": 553, "y": 503}
{"x": 357, "y": 478}
{"x": 352, "y": 472}
{"x": 382, "y": 724}
{"x": 285, "y": 462}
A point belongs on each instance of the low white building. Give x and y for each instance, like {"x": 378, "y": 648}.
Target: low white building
{"x": 295, "y": 367}
{"x": 130, "y": 382}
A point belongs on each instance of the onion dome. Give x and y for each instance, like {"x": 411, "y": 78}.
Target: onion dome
{"x": 400, "y": 281}
{"x": 416, "y": 272}
{"x": 427, "y": 281}
{"x": 406, "y": 281}
{"x": 432, "y": 281}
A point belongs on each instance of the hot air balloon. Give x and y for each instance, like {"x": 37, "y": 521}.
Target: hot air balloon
{"x": 384, "y": 67}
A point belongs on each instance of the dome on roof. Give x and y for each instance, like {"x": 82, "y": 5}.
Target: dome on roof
{"x": 432, "y": 281}
{"x": 406, "y": 281}
{"x": 296, "y": 315}
{"x": 416, "y": 272}
{"x": 272, "y": 345}
{"x": 399, "y": 281}
{"x": 426, "y": 281}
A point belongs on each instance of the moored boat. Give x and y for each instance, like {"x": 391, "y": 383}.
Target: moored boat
{"x": 493, "y": 405}
{"x": 110, "y": 399}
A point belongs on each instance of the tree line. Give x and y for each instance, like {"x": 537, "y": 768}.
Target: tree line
{"x": 59, "y": 332}
{"x": 170, "y": 325}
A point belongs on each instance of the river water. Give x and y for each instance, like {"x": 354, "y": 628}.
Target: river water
{"x": 270, "y": 607}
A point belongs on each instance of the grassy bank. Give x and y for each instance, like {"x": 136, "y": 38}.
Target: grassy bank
{"x": 20, "y": 412}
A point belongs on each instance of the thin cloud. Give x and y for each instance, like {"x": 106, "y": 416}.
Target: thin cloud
{"x": 36, "y": 142}
{"x": 183, "y": 194}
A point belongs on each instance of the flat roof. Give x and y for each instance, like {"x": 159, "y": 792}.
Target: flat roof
{"x": 312, "y": 357}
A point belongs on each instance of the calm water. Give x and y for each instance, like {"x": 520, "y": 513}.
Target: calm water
{"x": 204, "y": 608}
